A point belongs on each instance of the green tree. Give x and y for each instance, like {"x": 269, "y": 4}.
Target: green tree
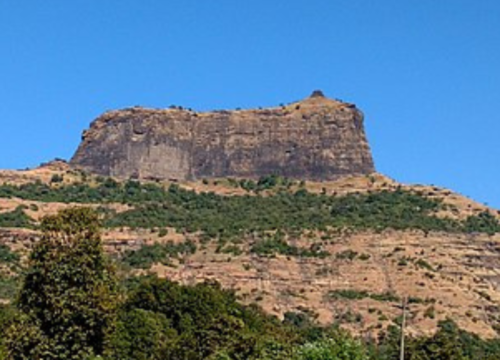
{"x": 164, "y": 320}
{"x": 67, "y": 301}
{"x": 142, "y": 335}
{"x": 341, "y": 347}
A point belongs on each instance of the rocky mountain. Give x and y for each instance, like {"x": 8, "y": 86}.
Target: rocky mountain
{"x": 316, "y": 138}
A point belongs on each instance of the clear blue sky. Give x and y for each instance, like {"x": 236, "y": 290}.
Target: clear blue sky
{"x": 425, "y": 72}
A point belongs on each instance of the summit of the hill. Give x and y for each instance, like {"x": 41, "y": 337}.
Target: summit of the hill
{"x": 314, "y": 139}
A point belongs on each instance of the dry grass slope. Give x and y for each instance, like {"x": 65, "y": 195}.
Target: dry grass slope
{"x": 360, "y": 284}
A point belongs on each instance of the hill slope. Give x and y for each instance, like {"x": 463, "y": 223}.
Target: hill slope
{"x": 344, "y": 251}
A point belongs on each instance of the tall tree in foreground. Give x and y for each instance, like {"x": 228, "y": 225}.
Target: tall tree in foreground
{"x": 68, "y": 298}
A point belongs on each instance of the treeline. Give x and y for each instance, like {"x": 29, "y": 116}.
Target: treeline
{"x": 162, "y": 320}
{"x": 229, "y": 216}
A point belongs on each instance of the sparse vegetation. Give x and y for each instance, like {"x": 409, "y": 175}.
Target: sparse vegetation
{"x": 347, "y": 255}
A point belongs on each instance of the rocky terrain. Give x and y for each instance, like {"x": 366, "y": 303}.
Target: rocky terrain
{"x": 316, "y": 139}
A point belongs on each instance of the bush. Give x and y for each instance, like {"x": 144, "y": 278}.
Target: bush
{"x": 350, "y": 294}
{"x": 424, "y": 265}
{"x": 7, "y": 256}
{"x": 347, "y": 255}
{"x": 56, "y": 178}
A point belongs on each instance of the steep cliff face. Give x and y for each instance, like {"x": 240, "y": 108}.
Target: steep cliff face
{"x": 317, "y": 139}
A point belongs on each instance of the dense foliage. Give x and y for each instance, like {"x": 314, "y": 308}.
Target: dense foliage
{"x": 448, "y": 343}
{"x": 199, "y": 322}
{"x": 67, "y": 300}
{"x": 162, "y": 320}
{"x": 221, "y": 216}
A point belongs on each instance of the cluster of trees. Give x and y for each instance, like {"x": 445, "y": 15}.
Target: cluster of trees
{"x": 147, "y": 255}
{"x": 228, "y": 216}
{"x": 16, "y": 218}
{"x": 72, "y": 306}
{"x": 272, "y": 244}
{"x": 268, "y": 182}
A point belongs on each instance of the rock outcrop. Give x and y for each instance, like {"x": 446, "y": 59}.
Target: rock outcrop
{"x": 316, "y": 138}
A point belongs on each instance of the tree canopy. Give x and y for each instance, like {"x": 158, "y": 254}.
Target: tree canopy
{"x": 67, "y": 301}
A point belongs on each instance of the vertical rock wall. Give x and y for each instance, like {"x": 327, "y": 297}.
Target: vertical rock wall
{"x": 316, "y": 139}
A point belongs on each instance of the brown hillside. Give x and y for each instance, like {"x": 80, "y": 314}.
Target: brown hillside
{"x": 443, "y": 274}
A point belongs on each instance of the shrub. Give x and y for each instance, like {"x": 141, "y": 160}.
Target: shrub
{"x": 163, "y": 232}
{"x": 8, "y": 256}
{"x": 424, "y": 265}
{"x": 484, "y": 222}
{"x": 56, "y": 178}
{"x": 430, "y": 312}
{"x": 147, "y": 255}
{"x": 351, "y": 294}
{"x": 347, "y": 255}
